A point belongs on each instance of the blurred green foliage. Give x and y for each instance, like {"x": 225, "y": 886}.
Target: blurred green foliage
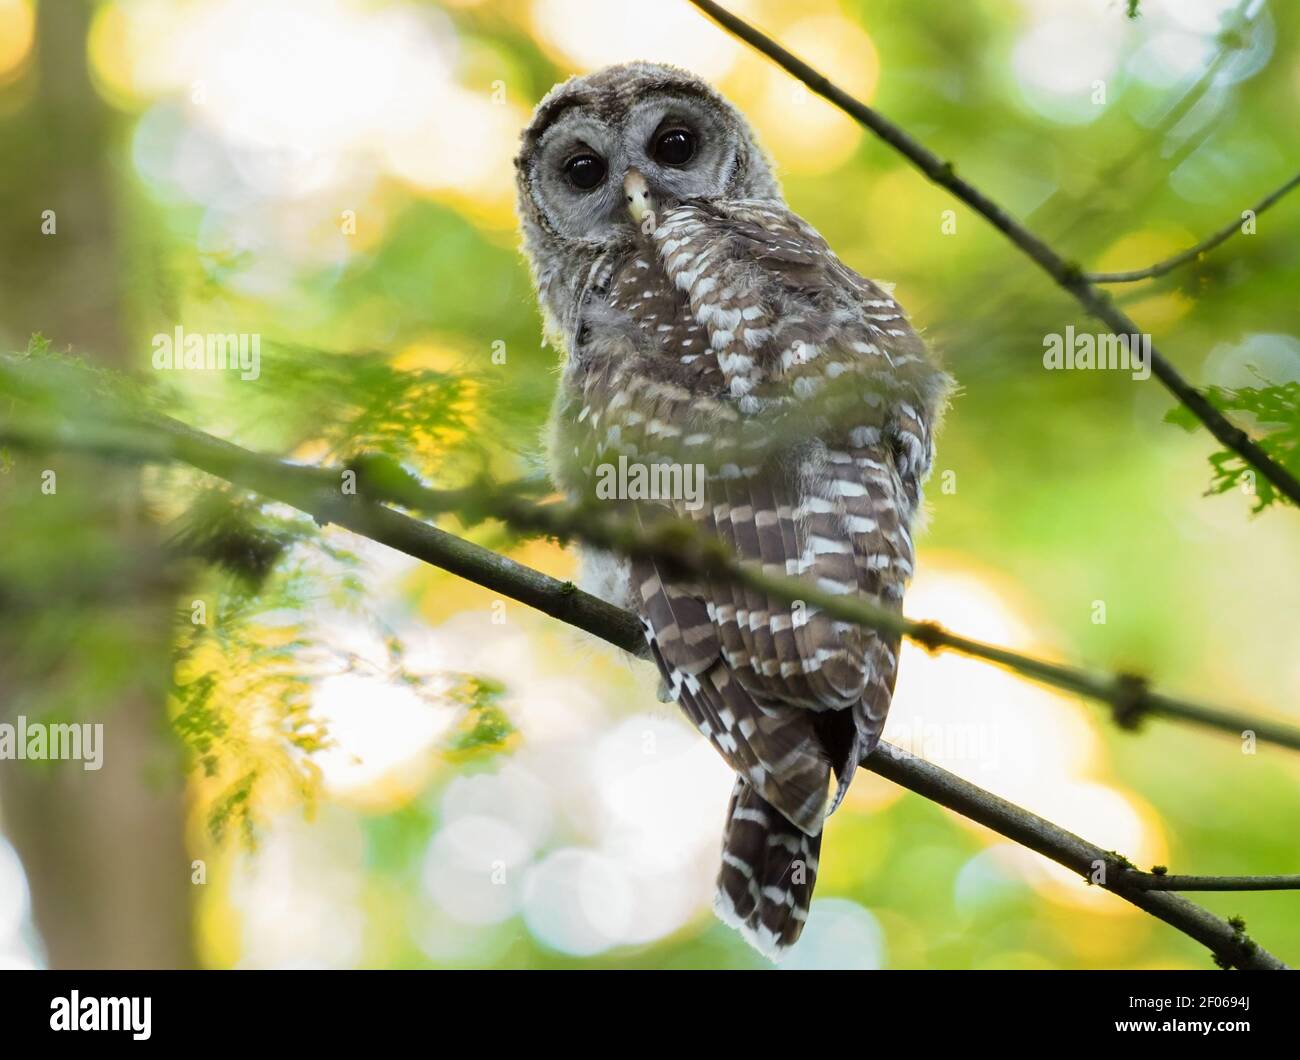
{"x": 1069, "y": 487}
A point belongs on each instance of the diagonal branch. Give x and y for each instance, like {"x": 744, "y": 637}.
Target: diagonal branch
{"x": 1221, "y": 236}
{"x": 1067, "y": 275}
{"x": 317, "y": 490}
{"x": 1225, "y": 939}
{"x": 569, "y": 604}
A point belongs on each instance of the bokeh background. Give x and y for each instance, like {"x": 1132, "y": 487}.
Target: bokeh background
{"x": 355, "y": 760}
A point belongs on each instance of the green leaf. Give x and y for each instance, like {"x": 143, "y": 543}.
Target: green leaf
{"x": 1273, "y": 412}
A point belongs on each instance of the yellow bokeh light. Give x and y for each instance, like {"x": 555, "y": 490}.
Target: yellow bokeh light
{"x": 1030, "y": 744}
{"x": 139, "y": 51}
{"x": 590, "y": 35}
{"x": 428, "y": 357}
{"x": 17, "y": 32}
{"x": 1138, "y": 250}
{"x": 804, "y": 132}
{"x": 1160, "y": 311}
{"x": 462, "y": 143}
{"x": 1107, "y": 817}
{"x": 280, "y": 91}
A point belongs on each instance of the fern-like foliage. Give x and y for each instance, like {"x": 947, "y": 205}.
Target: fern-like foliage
{"x": 255, "y": 582}
{"x": 1273, "y": 410}
{"x": 334, "y": 405}
{"x": 247, "y": 657}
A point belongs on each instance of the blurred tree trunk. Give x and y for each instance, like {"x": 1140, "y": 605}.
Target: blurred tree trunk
{"x": 103, "y": 850}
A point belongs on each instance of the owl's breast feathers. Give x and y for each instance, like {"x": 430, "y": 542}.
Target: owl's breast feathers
{"x": 735, "y": 339}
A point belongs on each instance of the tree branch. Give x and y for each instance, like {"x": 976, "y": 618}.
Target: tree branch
{"x": 1221, "y": 236}
{"x": 1159, "y": 881}
{"x": 1068, "y": 276}
{"x": 1227, "y": 940}
{"x": 316, "y": 491}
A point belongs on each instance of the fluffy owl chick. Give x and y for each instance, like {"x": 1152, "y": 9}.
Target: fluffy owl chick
{"x": 707, "y": 329}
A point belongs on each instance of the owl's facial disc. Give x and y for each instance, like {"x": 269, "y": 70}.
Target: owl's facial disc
{"x": 606, "y": 159}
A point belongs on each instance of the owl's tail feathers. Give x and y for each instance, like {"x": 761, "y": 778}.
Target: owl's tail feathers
{"x": 769, "y": 867}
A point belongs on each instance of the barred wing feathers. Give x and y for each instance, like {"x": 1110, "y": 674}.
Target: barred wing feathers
{"x": 737, "y": 339}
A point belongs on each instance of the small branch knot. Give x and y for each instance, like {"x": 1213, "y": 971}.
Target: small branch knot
{"x": 1072, "y": 274}
{"x": 929, "y": 635}
{"x": 1244, "y": 944}
{"x": 1130, "y": 706}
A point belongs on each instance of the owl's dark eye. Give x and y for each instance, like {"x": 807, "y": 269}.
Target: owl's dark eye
{"x": 584, "y": 171}
{"x": 675, "y": 147}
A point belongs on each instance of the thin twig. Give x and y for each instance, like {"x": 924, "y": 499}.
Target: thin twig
{"x": 318, "y": 490}
{"x": 1221, "y": 236}
{"x": 1068, "y": 276}
{"x": 1225, "y": 939}
{"x": 1159, "y": 881}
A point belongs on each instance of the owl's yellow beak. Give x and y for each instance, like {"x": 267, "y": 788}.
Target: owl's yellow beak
{"x": 639, "y": 202}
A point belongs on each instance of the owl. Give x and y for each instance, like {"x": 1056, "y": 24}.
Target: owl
{"x": 710, "y": 335}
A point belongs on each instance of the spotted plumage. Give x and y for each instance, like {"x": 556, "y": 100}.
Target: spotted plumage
{"x": 703, "y": 322}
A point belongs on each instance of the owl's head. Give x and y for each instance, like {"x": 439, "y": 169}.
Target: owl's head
{"x": 675, "y": 137}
